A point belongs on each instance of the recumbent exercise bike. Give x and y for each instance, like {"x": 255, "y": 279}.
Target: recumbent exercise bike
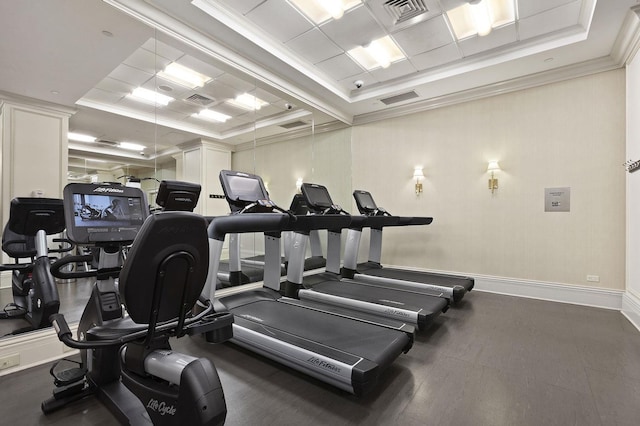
{"x": 126, "y": 361}
{"x": 35, "y": 295}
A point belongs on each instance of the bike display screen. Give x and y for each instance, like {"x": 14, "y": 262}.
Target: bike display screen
{"x": 103, "y": 213}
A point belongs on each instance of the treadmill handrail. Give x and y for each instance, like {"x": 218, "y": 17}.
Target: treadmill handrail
{"x": 260, "y": 222}
{"x": 376, "y": 222}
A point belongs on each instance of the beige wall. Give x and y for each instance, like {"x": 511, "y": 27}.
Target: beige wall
{"x": 568, "y": 134}
{"x": 323, "y": 158}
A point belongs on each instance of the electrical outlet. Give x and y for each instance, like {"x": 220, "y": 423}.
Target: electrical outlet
{"x": 593, "y": 278}
{"x": 9, "y": 361}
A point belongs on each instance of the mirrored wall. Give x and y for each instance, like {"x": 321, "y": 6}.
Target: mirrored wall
{"x": 284, "y": 141}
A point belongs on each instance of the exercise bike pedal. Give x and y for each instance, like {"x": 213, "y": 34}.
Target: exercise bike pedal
{"x": 67, "y": 377}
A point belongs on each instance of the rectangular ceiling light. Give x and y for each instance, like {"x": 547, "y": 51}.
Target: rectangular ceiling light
{"x": 208, "y": 114}
{"x": 247, "y": 101}
{"x": 184, "y": 76}
{"x": 131, "y": 146}
{"x": 479, "y": 17}
{"x": 379, "y": 53}
{"x": 78, "y": 137}
{"x": 149, "y": 96}
{"x": 323, "y": 10}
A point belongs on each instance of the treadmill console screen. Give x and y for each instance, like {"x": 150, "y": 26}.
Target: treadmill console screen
{"x": 242, "y": 189}
{"x": 317, "y": 196}
{"x": 299, "y": 205}
{"x": 364, "y": 201}
{"x": 97, "y": 213}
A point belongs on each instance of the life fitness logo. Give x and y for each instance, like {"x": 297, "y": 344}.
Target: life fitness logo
{"x": 105, "y": 189}
{"x": 161, "y": 408}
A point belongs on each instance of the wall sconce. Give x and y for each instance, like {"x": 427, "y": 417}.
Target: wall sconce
{"x": 491, "y": 168}
{"x": 299, "y": 185}
{"x": 418, "y": 175}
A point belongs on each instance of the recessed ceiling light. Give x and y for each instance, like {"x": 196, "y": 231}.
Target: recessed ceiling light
{"x": 322, "y": 10}
{"x": 165, "y": 88}
{"x": 208, "y": 114}
{"x": 149, "y": 96}
{"x": 79, "y": 137}
{"x": 55, "y": 92}
{"x": 107, "y": 33}
{"x": 131, "y": 146}
{"x": 549, "y": 60}
{"x": 379, "y": 53}
{"x": 247, "y": 101}
{"x": 480, "y": 17}
{"x": 184, "y": 76}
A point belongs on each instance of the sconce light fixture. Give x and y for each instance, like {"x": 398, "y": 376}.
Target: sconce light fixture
{"x": 418, "y": 175}
{"x": 299, "y": 185}
{"x": 492, "y": 168}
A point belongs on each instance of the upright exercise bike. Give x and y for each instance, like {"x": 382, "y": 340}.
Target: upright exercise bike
{"x": 126, "y": 360}
{"x": 35, "y": 295}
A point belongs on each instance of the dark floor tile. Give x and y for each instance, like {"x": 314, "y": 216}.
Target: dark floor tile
{"x": 616, "y": 398}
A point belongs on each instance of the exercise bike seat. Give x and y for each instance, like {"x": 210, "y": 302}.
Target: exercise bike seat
{"x": 16, "y": 245}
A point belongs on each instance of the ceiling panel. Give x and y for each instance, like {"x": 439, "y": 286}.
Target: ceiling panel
{"x": 437, "y": 57}
{"x": 399, "y": 69}
{"x": 425, "y": 36}
{"x": 314, "y": 46}
{"x": 130, "y": 75}
{"x": 200, "y": 66}
{"x": 340, "y": 67}
{"x": 162, "y": 49}
{"x": 551, "y": 20}
{"x": 241, "y": 6}
{"x": 146, "y": 61}
{"x": 502, "y": 36}
{"x": 109, "y": 84}
{"x": 264, "y": 14}
{"x": 103, "y": 97}
{"x": 356, "y": 28}
{"x": 530, "y": 8}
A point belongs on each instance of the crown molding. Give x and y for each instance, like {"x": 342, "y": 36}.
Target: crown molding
{"x": 521, "y": 83}
{"x": 628, "y": 40}
{"x": 12, "y": 98}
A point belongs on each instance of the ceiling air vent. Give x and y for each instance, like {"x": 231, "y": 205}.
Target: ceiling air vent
{"x": 399, "y": 98}
{"x": 293, "y": 124}
{"x": 403, "y": 10}
{"x": 199, "y": 100}
{"x": 106, "y": 142}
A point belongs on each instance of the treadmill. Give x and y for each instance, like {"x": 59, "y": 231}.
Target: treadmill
{"x": 299, "y": 207}
{"x": 238, "y": 271}
{"x": 454, "y": 286}
{"x": 343, "y": 352}
{"x": 417, "y": 306}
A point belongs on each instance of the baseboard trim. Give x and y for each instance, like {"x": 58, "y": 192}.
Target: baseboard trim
{"x": 34, "y": 348}
{"x": 554, "y": 292}
{"x": 631, "y": 308}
